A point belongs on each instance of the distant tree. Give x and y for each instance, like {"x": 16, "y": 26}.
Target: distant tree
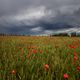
{"x": 73, "y": 34}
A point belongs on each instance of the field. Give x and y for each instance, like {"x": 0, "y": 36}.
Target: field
{"x": 39, "y": 58}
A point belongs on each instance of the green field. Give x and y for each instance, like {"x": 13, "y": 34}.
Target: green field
{"x": 39, "y": 58}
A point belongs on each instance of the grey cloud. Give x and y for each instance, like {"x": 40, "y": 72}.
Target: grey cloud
{"x": 22, "y": 16}
{"x": 13, "y": 6}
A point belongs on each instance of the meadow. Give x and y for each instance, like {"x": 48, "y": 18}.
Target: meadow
{"x": 39, "y": 58}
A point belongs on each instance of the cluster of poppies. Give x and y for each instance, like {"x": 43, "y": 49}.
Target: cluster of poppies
{"x": 74, "y": 46}
{"x": 46, "y": 66}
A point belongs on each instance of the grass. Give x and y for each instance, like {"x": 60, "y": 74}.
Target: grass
{"x": 24, "y": 58}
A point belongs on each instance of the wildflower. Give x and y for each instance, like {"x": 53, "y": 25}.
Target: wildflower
{"x": 75, "y": 58}
{"x": 66, "y": 76}
{"x": 46, "y": 66}
{"x": 41, "y": 51}
{"x": 13, "y": 71}
{"x": 72, "y": 46}
{"x": 78, "y": 68}
{"x": 34, "y": 51}
{"x": 74, "y": 53}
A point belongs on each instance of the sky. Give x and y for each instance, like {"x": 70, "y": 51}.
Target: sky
{"x": 39, "y": 17}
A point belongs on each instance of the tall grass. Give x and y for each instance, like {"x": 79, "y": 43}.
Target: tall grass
{"x": 24, "y": 58}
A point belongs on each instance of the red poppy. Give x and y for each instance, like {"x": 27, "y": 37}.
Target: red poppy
{"x": 41, "y": 51}
{"x": 46, "y": 66}
{"x": 72, "y": 46}
{"x": 13, "y": 71}
{"x": 75, "y": 53}
{"x": 34, "y": 51}
{"x": 66, "y": 76}
{"x": 75, "y": 58}
{"x": 78, "y": 68}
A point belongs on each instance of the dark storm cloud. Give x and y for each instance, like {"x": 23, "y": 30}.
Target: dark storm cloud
{"x": 39, "y": 16}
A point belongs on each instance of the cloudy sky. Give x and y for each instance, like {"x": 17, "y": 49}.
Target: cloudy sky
{"x": 38, "y": 17}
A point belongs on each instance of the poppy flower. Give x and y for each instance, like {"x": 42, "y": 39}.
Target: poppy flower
{"x": 75, "y": 58}
{"x": 78, "y": 68}
{"x": 66, "y": 76}
{"x": 13, "y": 71}
{"x": 75, "y": 53}
{"x": 46, "y": 66}
{"x": 72, "y": 46}
{"x": 34, "y": 51}
{"x": 41, "y": 51}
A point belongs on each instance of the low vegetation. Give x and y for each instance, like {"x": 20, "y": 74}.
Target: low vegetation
{"x": 39, "y": 58}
